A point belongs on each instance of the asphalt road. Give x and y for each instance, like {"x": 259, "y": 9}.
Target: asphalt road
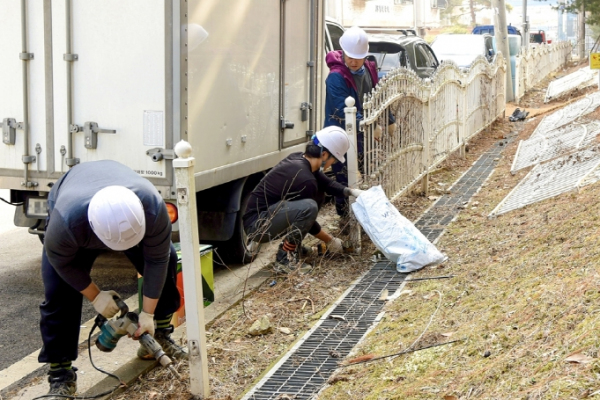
{"x": 21, "y": 288}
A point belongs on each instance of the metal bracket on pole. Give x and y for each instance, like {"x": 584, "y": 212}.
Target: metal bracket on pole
{"x": 191, "y": 269}
{"x": 70, "y": 57}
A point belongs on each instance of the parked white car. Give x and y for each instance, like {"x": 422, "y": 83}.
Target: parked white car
{"x": 463, "y": 48}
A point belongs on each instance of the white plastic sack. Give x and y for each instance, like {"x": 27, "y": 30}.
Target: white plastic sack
{"x": 394, "y": 235}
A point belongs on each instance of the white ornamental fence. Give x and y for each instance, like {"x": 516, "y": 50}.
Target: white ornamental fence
{"x": 434, "y": 118}
{"x": 537, "y": 63}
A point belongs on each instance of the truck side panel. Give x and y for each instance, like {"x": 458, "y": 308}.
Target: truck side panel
{"x": 234, "y": 81}
{"x": 235, "y": 107}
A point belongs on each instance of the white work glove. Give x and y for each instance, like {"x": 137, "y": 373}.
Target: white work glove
{"x": 391, "y": 129}
{"x": 105, "y": 304}
{"x": 377, "y": 132}
{"x": 356, "y": 192}
{"x": 335, "y": 246}
{"x": 146, "y": 324}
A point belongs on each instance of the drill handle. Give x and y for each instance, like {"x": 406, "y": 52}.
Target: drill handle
{"x": 122, "y": 306}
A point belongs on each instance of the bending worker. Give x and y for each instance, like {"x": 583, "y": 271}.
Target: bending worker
{"x": 350, "y": 75}
{"x": 285, "y": 203}
{"x": 97, "y": 206}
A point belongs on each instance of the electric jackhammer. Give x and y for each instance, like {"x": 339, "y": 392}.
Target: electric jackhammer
{"x": 126, "y": 324}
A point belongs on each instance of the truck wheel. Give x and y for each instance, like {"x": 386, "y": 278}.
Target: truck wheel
{"x": 236, "y": 249}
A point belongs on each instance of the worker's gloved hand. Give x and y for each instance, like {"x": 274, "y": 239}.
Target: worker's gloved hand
{"x": 377, "y": 133}
{"x": 391, "y": 129}
{"x": 356, "y": 192}
{"x": 335, "y": 246}
{"x": 146, "y": 324}
{"x": 105, "y": 304}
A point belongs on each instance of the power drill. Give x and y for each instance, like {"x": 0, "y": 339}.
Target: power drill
{"x": 127, "y": 323}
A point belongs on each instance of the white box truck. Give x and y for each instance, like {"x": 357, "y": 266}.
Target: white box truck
{"x": 241, "y": 80}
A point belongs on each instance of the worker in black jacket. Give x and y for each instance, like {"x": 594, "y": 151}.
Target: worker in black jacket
{"x": 285, "y": 203}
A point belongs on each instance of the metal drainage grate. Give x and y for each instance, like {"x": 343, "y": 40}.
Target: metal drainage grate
{"x": 435, "y": 220}
{"x": 306, "y": 368}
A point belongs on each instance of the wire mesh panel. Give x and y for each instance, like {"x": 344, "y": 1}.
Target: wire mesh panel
{"x": 581, "y": 78}
{"x": 555, "y": 143}
{"x": 567, "y": 114}
{"x": 551, "y": 179}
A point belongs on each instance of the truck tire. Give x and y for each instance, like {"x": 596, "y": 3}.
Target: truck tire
{"x": 235, "y": 250}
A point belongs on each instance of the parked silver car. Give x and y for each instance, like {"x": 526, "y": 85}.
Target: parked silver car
{"x": 463, "y": 48}
{"x": 402, "y": 48}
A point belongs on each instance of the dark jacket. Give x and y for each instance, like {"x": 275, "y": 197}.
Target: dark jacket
{"x": 291, "y": 179}
{"x": 340, "y": 84}
{"x": 68, "y": 229}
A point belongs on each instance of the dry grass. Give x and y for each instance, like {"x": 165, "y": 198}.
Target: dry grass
{"x": 524, "y": 297}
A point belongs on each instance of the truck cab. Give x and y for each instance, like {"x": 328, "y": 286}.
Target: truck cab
{"x": 489, "y": 29}
{"x": 539, "y": 37}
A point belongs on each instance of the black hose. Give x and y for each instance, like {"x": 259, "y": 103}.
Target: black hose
{"x": 12, "y": 204}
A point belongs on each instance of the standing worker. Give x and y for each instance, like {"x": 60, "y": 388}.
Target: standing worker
{"x": 285, "y": 203}
{"x": 97, "y": 206}
{"x": 350, "y": 75}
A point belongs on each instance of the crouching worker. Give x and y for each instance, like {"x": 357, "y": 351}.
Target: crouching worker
{"x": 285, "y": 203}
{"x": 98, "y": 206}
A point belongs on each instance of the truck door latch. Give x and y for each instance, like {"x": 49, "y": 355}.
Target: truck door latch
{"x": 9, "y": 130}
{"x": 90, "y": 133}
{"x": 304, "y": 108}
{"x": 157, "y": 154}
{"x": 285, "y": 124}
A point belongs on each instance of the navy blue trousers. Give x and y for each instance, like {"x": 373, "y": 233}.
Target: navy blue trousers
{"x": 61, "y": 310}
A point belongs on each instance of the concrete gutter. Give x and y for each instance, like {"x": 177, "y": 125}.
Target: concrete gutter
{"x": 28, "y": 381}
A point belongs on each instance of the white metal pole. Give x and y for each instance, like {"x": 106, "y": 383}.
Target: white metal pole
{"x": 525, "y": 37}
{"x": 191, "y": 269}
{"x": 352, "y": 161}
{"x": 501, "y": 34}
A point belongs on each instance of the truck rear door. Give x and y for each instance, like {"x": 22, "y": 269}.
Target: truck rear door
{"x": 295, "y": 102}
{"x": 24, "y": 155}
{"x": 112, "y": 65}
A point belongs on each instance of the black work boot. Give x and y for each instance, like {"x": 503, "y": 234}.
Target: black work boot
{"x": 63, "y": 382}
{"x": 171, "y": 349}
{"x": 288, "y": 261}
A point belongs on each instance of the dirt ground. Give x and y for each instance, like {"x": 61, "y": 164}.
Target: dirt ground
{"x": 524, "y": 298}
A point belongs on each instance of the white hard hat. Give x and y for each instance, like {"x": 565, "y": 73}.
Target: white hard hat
{"x": 355, "y": 43}
{"x": 116, "y": 216}
{"x": 335, "y": 140}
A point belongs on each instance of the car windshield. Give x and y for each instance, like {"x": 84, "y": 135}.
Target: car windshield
{"x": 387, "y": 61}
{"x": 460, "y": 45}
